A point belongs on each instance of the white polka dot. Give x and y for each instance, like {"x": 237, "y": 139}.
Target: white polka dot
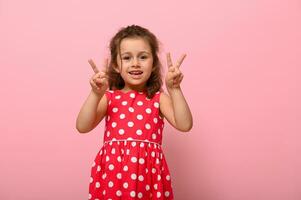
{"x": 98, "y": 168}
{"x": 104, "y": 176}
{"x": 157, "y": 161}
{"x": 155, "y": 120}
{"x": 111, "y": 167}
{"x": 133, "y": 193}
{"x": 121, "y": 131}
{"x": 156, "y": 104}
{"x": 139, "y": 132}
{"x": 133, "y": 176}
{"x": 122, "y": 116}
{"x": 139, "y": 117}
{"x": 107, "y": 158}
{"x": 147, "y": 126}
{"x": 118, "y": 193}
{"x": 110, "y": 184}
{"x": 168, "y": 177}
{"x": 158, "y": 194}
{"x": 90, "y": 196}
{"x": 119, "y": 159}
{"x": 125, "y": 185}
{"x": 139, "y": 103}
{"x": 153, "y": 170}
{"x": 132, "y": 95}
{"x": 114, "y": 124}
{"x": 124, "y": 103}
{"x": 117, "y": 97}
{"x": 104, "y": 192}
{"x": 113, "y": 151}
{"x": 108, "y": 133}
{"x": 140, "y": 178}
{"x": 154, "y": 136}
{"x": 125, "y": 168}
{"x": 153, "y": 154}
{"x": 166, "y": 194}
{"x": 148, "y": 110}
{"x": 115, "y": 110}
{"x": 108, "y": 118}
{"x": 142, "y": 144}
{"x": 93, "y": 164}
{"x": 119, "y": 175}
{"x": 130, "y": 124}
{"x": 131, "y": 109}
{"x": 133, "y": 144}
{"x": 146, "y": 170}
{"x": 147, "y": 187}
{"x": 159, "y": 177}
{"x": 156, "y": 186}
{"x": 97, "y": 185}
{"x": 91, "y": 179}
{"x": 140, "y": 195}
{"x": 134, "y": 159}
{"x": 141, "y": 161}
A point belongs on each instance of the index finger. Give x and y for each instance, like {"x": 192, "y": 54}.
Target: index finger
{"x": 94, "y": 67}
{"x": 169, "y": 61}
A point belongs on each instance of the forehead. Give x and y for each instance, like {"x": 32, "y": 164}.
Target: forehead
{"x": 134, "y": 45}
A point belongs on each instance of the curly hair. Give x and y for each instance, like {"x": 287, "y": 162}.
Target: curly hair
{"x": 154, "y": 83}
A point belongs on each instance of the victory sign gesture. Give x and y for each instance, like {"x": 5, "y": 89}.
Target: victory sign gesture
{"x": 99, "y": 81}
{"x": 174, "y": 76}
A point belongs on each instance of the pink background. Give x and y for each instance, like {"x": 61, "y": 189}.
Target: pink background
{"x": 240, "y": 80}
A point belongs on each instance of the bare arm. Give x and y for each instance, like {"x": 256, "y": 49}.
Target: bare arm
{"x": 175, "y": 107}
{"x": 95, "y": 107}
{"x": 176, "y": 110}
{"x": 92, "y": 112}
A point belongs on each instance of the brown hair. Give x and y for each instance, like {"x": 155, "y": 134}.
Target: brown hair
{"x": 154, "y": 82}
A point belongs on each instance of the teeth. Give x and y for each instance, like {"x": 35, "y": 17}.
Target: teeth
{"x": 136, "y": 72}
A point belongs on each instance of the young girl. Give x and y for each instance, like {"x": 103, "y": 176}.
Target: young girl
{"x": 131, "y": 164}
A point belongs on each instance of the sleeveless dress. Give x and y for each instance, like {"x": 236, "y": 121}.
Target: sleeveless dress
{"x": 131, "y": 164}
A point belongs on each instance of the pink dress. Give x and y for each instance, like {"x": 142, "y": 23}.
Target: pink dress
{"x": 131, "y": 164}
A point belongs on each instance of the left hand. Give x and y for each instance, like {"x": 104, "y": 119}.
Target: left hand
{"x": 174, "y": 76}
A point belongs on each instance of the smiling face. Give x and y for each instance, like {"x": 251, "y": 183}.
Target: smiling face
{"x": 135, "y": 63}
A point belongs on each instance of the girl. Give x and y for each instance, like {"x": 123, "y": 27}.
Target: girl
{"x": 131, "y": 164}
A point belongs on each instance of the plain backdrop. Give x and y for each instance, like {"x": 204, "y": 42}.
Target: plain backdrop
{"x": 241, "y": 80}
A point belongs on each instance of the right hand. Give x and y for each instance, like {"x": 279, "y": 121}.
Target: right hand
{"x": 99, "y": 81}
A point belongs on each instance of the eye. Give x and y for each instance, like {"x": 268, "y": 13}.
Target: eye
{"x": 126, "y": 58}
{"x": 144, "y": 57}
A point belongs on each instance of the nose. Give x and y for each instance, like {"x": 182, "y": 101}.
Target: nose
{"x": 135, "y": 62}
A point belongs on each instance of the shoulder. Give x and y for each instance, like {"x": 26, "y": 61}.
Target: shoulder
{"x": 163, "y": 97}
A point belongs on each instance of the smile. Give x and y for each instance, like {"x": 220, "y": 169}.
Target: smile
{"x": 136, "y": 74}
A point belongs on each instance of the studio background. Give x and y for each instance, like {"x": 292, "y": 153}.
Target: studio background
{"x": 241, "y": 80}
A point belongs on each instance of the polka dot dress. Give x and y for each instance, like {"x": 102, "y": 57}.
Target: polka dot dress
{"x": 131, "y": 164}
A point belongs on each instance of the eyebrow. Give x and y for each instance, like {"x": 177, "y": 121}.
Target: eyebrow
{"x": 127, "y": 52}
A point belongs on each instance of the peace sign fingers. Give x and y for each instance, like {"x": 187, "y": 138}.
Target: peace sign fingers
{"x": 99, "y": 80}
{"x": 174, "y": 76}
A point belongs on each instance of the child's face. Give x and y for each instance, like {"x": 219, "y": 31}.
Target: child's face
{"x": 135, "y": 66}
